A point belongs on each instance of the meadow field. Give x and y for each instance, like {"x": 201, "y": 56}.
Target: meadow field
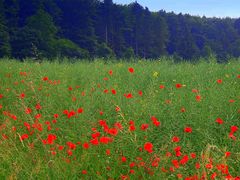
{"x": 119, "y": 120}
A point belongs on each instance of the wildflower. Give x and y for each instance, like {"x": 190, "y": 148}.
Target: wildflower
{"x": 108, "y": 152}
{"x": 219, "y": 121}
{"x": 227, "y": 154}
{"x": 22, "y": 96}
{"x": 38, "y": 106}
{"x": 183, "y": 109}
{"x": 123, "y": 159}
{"x": 24, "y": 136}
{"x": 144, "y": 126}
{"x": 85, "y": 145}
{"x": 148, "y": 147}
{"x": 155, "y": 74}
{"x": 161, "y": 86}
{"x": 219, "y": 81}
{"x": 45, "y": 78}
{"x": 131, "y": 70}
{"x": 114, "y": 91}
{"x": 198, "y": 98}
{"x": 28, "y": 111}
{"x": 178, "y": 85}
{"x": 80, "y": 110}
{"x": 71, "y": 145}
{"x": 113, "y": 131}
{"x": 51, "y": 138}
{"x": 94, "y": 141}
{"x": 84, "y": 171}
{"x": 188, "y": 130}
{"x": 175, "y": 139}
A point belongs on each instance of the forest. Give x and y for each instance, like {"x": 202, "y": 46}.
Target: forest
{"x": 101, "y": 29}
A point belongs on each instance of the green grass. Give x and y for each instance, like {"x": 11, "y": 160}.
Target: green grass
{"x": 82, "y": 85}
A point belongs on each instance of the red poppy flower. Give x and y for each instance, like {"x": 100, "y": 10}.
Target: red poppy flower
{"x": 175, "y": 139}
{"x": 45, "y": 78}
{"x": 234, "y": 129}
{"x": 193, "y": 155}
{"x": 231, "y": 100}
{"x": 131, "y": 171}
{"x": 51, "y": 138}
{"x": 113, "y": 131}
{"x": 123, "y": 159}
{"x": 80, "y": 110}
{"x": 60, "y": 148}
{"x": 161, "y": 86}
{"x": 184, "y": 160}
{"x": 117, "y": 108}
{"x": 219, "y": 121}
{"x": 132, "y": 128}
{"x": 118, "y": 125}
{"x": 140, "y": 93}
{"x": 178, "y": 85}
{"x": 188, "y": 130}
{"x": 110, "y": 72}
{"x": 96, "y": 135}
{"x": 132, "y": 164}
{"x": 175, "y": 163}
{"x": 22, "y": 95}
{"x": 131, "y": 70}
{"x": 105, "y": 140}
{"x": 24, "y": 136}
{"x": 28, "y": 111}
{"x": 128, "y": 96}
{"x": 219, "y": 81}
{"x": 84, "y": 171}
{"x": 183, "y": 109}
{"x": 197, "y": 165}
{"x": 148, "y": 147}
{"x": 71, "y": 145}
{"x": 194, "y": 90}
{"x": 198, "y": 98}
{"x": 85, "y": 145}
{"x": 227, "y": 154}
{"x": 144, "y": 126}
{"x": 38, "y": 106}
{"x": 114, "y": 91}
{"x": 108, "y": 152}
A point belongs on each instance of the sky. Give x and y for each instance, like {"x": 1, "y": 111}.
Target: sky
{"x": 209, "y": 8}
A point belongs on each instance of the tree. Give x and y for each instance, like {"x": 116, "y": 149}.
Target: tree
{"x": 77, "y": 23}
{"x": 5, "y": 49}
{"x": 160, "y": 36}
{"x": 39, "y": 33}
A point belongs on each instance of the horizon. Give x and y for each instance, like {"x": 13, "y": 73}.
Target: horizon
{"x": 207, "y": 8}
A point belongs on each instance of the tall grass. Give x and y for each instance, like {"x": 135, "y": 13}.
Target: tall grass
{"x": 151, "y": 105}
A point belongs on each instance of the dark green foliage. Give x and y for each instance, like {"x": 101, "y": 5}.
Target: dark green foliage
{"x": 94, "y": 28}
{"x": 66, "y": 48}
{"x": 5, "y": 49}
{"x": 104, "y": 51}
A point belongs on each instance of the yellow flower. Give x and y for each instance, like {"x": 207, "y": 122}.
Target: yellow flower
{"x": 155, "y": 74}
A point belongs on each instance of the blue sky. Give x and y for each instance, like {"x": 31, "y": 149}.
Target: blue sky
{"x": 209, "y": 8}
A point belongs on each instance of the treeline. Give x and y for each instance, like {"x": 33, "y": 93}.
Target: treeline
{"x": 93, "y": 28}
